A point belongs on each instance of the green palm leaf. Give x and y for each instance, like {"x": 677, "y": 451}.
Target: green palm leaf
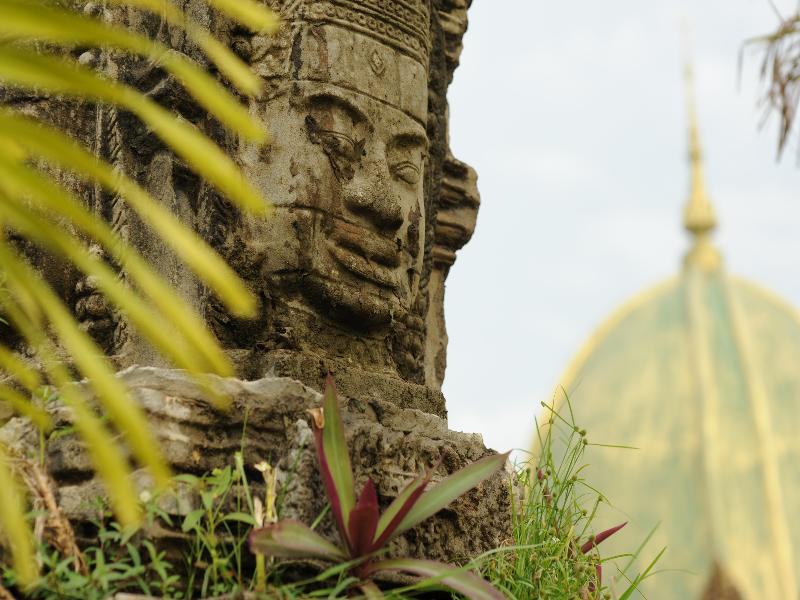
{"x": 25, "y": 68}
{"x": 47, "y": 214}
{"x": 12, "y": 520}
{"x": 22, "y": 20}
{"x": 53, "y": 146}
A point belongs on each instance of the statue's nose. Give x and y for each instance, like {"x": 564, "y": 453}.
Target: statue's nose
{"x": 373, "y": 200}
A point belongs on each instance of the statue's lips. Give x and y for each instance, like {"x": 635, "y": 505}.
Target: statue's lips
{"x": 366, "y": 254}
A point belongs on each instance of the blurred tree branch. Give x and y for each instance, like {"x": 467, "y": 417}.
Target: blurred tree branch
{"x": 780, "y": 73}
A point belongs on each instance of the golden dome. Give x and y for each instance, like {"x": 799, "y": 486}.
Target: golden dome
{"x": 701, "y": 375}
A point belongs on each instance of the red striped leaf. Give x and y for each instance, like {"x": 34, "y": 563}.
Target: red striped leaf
{"x": 398, "y": 509}
{"x": 447, "y": 490}
{"x": 460, "y": 580}
{"x": 334, "y": 461}
{"x": 293, "y": 539}
{"x": 364, "y": 521}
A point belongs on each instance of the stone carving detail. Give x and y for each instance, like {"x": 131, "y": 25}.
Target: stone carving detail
{"x": 358, "y": 173}
{"x": 371, "y": 205}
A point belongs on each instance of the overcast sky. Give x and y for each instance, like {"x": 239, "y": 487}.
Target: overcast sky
{"x": 573, "y": 114}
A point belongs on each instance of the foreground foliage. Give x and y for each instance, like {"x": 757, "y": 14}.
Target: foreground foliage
{"x": 364, "y": 532}
{"x": 554, "y": 553}
{"x": 39, "y": 41}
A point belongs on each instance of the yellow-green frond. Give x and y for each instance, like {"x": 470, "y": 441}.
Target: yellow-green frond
{"x": 23, "y": 68}
{"x": 111, "y": 392}
{"x": 14, "y": 525}
{"x": 226, "y": 61}
{"x": 23, "y": 20}
{"x": 19, "y": 182}
{"x": 104, "y": 452}
{"x": 253, "y": 15}
{"x": 22, "y": 373}
{"x": 57, "y": 148}
{"x": 23, "y": 406}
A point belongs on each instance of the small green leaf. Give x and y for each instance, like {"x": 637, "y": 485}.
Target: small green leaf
{"x": 457, "y": 484}
{"x": 191, "y": 480}
{"x": 241, "y": 517}
{"x": 371, "y": 591}
{"x": 293, "y": 539}
{"x": 192, "y": 519}
{"x": 458, "y": 579}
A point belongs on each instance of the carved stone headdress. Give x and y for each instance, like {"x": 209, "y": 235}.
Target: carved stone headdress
{"x": 404, "y": 24}
{"x": 379, "y": 47}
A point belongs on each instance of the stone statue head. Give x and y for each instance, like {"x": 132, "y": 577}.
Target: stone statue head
{"x": 347, "y": 108}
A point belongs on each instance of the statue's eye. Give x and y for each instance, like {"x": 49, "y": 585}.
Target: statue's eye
{"x": 407, "y": 171}
{"x": 339, "y": 144}
{"x": 335, "y": 143}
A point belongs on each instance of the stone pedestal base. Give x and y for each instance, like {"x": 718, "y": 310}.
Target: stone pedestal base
{"x": 268, "y": 421}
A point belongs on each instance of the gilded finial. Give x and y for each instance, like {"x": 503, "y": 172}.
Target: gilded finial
{"x": 698, "y": 217}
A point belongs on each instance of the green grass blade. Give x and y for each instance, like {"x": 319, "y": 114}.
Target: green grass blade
{"x": 457, "y": 484}
{"x": 111, "y": 392}
{"x": 14, "y": 525}
{"x": 54, "y": 146}
{"x": 371, "y": 591}
{"x": 642, "y": 576}
{"x": 23, "y": 20}
{"x": 21, "y": 68}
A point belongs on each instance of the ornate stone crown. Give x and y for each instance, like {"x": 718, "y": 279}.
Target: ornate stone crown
{"x": 403, "y": 24}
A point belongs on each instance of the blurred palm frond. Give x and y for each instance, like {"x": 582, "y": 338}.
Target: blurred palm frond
{"x": 780, "y": 75}
{"x": 38, "y": 207}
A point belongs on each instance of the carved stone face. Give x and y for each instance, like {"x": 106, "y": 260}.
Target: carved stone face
{"x": 367, "y": 257}
{"x": 346, "y": 173}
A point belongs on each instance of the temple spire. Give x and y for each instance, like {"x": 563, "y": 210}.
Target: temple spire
{"x": 699, "y": 218}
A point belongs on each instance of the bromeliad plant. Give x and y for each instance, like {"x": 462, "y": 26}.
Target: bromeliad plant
{"x": 363, "y": 530}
